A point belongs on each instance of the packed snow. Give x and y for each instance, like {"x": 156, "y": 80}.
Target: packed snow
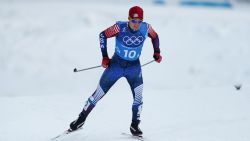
{"x": 189, "y": 96}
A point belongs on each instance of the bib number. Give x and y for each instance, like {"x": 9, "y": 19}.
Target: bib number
{"x": 129, "y": 54}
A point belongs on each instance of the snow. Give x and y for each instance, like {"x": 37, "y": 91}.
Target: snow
{"x": 189, "y": 96}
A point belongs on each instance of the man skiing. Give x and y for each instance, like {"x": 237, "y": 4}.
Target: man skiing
{"x": 130, "y": 36}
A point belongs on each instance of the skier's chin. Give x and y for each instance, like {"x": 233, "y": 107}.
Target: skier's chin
{"x": 135, "y": 28}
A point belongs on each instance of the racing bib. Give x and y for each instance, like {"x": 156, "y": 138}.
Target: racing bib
{"x": 129, "y": 44}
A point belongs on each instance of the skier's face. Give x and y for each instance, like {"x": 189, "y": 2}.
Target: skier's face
{"x": 134, "y": 23}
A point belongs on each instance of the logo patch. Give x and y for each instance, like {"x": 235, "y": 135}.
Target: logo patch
{"x": 133, "y": 40}
{"x": 135, "y": 15}
{"x": 124, "y": 29}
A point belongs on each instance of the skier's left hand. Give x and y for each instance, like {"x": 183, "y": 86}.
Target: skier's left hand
{"x": 157, "y": 57}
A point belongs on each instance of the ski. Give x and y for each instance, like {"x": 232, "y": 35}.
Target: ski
{"x": 140, "y": 138}
{"x": 64, "y": 133}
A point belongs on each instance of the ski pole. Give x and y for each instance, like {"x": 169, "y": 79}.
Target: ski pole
{"x": 147, "y": 63}
{"x": 76, "y": 70}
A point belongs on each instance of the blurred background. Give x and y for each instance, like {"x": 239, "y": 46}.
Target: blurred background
{"x": 190, "y": 95}
{"x": 204, "y": 43}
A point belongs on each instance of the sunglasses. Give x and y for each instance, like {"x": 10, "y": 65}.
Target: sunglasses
{"x": 136, "y": 21}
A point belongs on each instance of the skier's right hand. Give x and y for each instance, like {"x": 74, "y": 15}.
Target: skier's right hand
{"x": 105, "y": 62}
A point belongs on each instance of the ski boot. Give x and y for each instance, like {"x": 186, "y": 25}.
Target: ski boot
{"x": 135, "y": 130}
{"x": 78, "y": 123}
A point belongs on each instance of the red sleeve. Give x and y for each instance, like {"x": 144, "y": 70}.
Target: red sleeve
{"x": 112, "y": 31}
{"x": 151, "y": 32}
{"x": 154, "y": 38}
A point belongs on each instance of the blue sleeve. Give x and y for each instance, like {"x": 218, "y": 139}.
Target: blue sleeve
{"x": 156, "y": 44}
{"x": 103, "y": 44}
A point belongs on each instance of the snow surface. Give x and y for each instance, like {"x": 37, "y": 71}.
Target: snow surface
{"x": 190, "y": 96}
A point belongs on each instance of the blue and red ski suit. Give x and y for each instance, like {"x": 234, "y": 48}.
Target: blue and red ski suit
{"x": 124, "y": 63}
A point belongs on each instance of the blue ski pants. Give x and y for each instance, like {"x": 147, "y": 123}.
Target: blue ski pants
{"x": 118, "y": 68}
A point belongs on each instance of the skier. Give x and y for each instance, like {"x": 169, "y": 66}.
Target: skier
{"x": 130, "y": 36}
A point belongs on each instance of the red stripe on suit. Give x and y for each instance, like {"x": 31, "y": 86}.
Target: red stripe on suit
{"x": 112, "y": 31}
{"x": 151, "y": 32}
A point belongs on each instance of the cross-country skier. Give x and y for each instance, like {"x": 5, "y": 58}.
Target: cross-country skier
{"x": 130, "y": 36}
